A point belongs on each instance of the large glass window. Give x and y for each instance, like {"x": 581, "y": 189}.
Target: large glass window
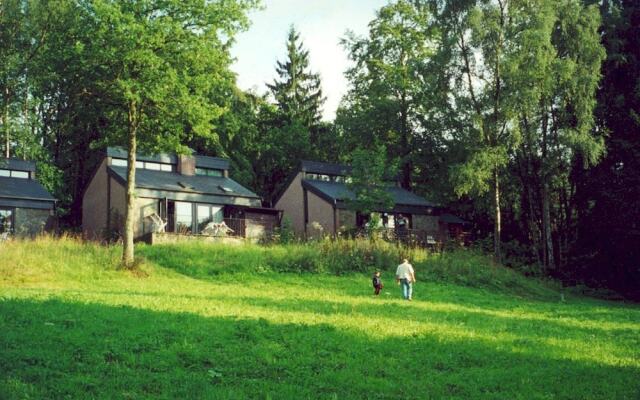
{"x": 6, "y": 220}
{"x": 14, "y": 174}
{"x": 208, "y": 172}
{"x": 152, "y": 166}
{"x": 20, "y": 174}
{"x": 184, "y": 217}
{"x": 208, "y": 213}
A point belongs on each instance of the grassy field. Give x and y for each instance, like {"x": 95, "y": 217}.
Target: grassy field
{"x": 231, "y": 323}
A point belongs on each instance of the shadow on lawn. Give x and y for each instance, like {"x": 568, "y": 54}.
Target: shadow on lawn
{"x": 56, "y": 349}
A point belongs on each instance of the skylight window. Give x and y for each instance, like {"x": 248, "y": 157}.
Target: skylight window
{"x": 225, "y": 189}
{"x": 14, "y": 174}
{"x": 186, "y": 186}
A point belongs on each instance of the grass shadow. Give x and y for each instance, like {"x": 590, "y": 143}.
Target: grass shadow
{"x": 60, "y": 349}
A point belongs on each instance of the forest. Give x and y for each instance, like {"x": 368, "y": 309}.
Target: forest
{"x": 522, "y": 117}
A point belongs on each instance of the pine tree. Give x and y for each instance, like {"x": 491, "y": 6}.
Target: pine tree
{"x": 298, "y": 94}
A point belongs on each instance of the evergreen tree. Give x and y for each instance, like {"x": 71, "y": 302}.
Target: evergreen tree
{"x": 297, "y": 93}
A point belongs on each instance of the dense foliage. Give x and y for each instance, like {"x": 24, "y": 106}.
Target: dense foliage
{"x": 522, "y": 117}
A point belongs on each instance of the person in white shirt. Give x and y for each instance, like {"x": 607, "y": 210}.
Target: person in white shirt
{"x": 406, "y": 277}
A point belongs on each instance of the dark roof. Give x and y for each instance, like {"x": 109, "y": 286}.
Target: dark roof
{"x": 174, "y": 182}
{"x": 16, "y": 164}
{"x": 118, "y": 152}
{"x": 211, "y": 162}
{"x": 452, "y": 219}
{"x": 201, "y": 161}
{"x": 24, "y": 189}
{"x": 318, "y": 167}
{"x": 339, "y": 192}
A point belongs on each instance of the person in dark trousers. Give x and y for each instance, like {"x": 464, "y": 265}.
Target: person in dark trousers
{"x": 377, "y": 283}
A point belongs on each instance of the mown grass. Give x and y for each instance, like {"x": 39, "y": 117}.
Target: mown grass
{"x": 252, "y": 322}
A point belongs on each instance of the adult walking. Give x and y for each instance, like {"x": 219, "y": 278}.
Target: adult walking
{"x": 406, "y": 277}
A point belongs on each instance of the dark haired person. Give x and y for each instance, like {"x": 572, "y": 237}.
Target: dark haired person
{"x": 377, "y": 283}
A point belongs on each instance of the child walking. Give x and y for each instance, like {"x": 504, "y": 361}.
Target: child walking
{"x": 377, "y": 283}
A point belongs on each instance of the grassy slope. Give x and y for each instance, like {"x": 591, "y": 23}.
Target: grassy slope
{"x": 73, "y": 326}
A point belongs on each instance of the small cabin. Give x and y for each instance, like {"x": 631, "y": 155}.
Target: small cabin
{"x": 26, "y": 207}
{"x": 180, "y": 194}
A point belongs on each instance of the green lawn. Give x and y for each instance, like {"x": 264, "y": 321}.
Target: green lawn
{"x": 72, "y": 326}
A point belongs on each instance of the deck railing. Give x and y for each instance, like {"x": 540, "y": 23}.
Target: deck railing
{"x": 233, "y": 227}
{"x": 414, "y": 237}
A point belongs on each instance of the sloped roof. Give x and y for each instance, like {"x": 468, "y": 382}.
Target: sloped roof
{"x": 211, "y": 162}
{"x": 339, "y": 192}
{"x": 24, "y": 189}
{"x": 201, "y": 161}
{"x": 118, "y": 152}
{"x": 318, "y": 167}
{"x": 452, "y": 219}
{"x": 16, "y": 164}
{"x": 175, "y": 182}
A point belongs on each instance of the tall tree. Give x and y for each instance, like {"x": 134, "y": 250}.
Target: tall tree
{"x": 555, "y": 74}
{"x": 608, "y": 230}
{"x": 298, "y": 93}
{"x": 290, "y": 131}
{"x": 389, "y": 82}
{"x": 162, "y": 61}
{"x": 22, "y": 33}
{"x": 369, "y": 171}
{"x": 524, "y": 76}
{"x": 479, "y": 35}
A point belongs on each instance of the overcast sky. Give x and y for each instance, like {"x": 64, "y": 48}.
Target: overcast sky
{"x": 321, "y": 24}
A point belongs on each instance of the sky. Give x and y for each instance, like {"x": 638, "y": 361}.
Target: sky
{"x": 321, "y": 24}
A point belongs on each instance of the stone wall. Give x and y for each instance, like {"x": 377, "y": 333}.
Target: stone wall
{"x": 30, "y": 221}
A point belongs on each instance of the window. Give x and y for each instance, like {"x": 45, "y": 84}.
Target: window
{"x": 208, "y": 172}
{"x": 118, "y": 162}
{"x": 20, "y": 174}
{"x": 14, "y": 174}
{"x": 184, "y": 217}
{"x": 318, "y": 177}
{"x": 208, "y": 213}
{"x": 6, "y": 220}
{"x": 225, "y": 189}
{"x": 152, "y": 166}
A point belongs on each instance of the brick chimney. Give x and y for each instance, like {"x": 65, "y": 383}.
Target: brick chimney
{"x": 186, "y": 165}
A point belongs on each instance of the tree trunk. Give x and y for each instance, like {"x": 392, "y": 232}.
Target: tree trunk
{"x": 127, "y": 248}
{"x": 546, "y": 226}
{"x": 5, "y": 124}
{"x": 547, "y": 238}
{"x": 497, "y": 228}
{"x": 406, "y": 151}
{"x": 528, "y": 186}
